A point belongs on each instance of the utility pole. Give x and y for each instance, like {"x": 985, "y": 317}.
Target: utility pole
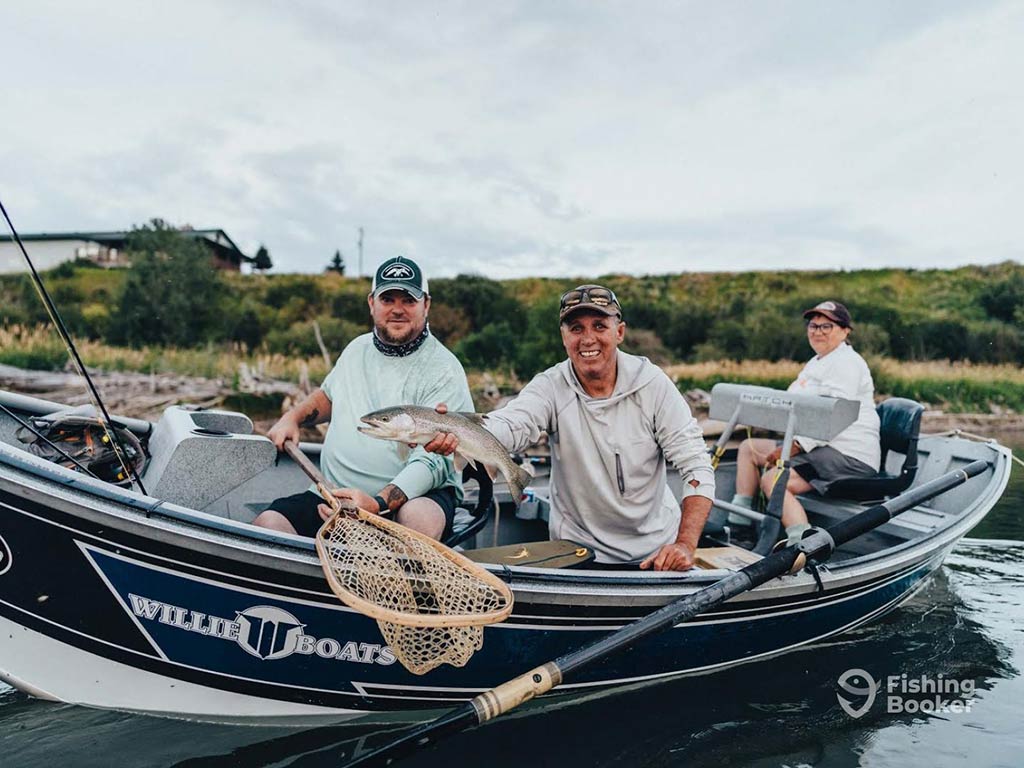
{"x": 360, "y": 252}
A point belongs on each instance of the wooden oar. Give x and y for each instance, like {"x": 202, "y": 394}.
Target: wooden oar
{"x": 313, "y": 473}
{"x": 817, "y": 546}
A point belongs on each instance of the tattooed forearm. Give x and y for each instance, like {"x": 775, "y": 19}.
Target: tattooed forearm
{"x": 315, "y": 409}
{"x": 394, "y": 496}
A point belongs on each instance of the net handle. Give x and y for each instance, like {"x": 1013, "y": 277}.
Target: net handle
{"x": 314, "y": 474}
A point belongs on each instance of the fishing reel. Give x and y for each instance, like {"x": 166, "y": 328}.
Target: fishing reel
{"x": 82, "y": 444}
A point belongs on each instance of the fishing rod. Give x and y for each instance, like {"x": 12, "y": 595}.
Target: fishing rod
{"x": 51, "y": 309}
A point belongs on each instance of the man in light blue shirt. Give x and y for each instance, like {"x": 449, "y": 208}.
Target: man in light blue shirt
{"x": 398, "y": 363}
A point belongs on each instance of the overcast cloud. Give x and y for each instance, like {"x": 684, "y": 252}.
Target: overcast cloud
{"x": 510, "y": 139}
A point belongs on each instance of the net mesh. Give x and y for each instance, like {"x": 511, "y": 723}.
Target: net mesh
{"x": 430, "y": 603}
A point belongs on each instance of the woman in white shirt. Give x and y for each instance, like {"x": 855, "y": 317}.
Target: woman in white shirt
{"x": 835, "y": 370}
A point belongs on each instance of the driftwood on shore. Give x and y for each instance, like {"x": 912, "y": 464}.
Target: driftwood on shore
{"x": 139, "y": 395}
{"x": 146, "y": 395}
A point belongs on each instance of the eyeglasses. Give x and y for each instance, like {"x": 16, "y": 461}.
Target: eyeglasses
{"x": 823, "y": 327}
{"x": 590, "y": 294}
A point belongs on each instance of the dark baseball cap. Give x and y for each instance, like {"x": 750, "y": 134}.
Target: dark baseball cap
{"x": 834, "y": 311}
{"x": 593, "y": 297}
{"x": 400, "y": 274}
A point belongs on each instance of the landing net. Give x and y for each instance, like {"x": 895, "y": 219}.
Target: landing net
{"x": 430, "y": 603}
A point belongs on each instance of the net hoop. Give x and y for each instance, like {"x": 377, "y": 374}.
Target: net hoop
{"x": 469, "y": 569}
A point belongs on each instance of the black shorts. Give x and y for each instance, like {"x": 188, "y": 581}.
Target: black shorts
{"x": 825, "y": 465}
{"x": 301, "y": 509}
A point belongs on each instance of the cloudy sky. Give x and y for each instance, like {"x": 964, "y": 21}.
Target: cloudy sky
{"x": 527, "y": 138}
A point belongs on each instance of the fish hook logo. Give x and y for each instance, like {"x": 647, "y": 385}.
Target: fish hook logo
{"x": 851, "y": 681}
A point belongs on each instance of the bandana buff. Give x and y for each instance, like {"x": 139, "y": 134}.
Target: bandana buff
{"x": 400, "y": 350}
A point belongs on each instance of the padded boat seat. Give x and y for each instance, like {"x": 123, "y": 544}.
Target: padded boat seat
{"x": 900, "y": 428}
{"x": 198, "y": 456}
{"x": 468, "y": 522}
{"x": 535, "y": 554}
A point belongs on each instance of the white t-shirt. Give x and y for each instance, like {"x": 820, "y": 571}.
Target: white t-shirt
{"x": 843, "y": 373}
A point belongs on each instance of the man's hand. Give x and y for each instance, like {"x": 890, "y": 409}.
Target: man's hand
{"x": 676, "y": 556}
{"x": 443, "y": 443}
{"x": 350, "y": 498}
{"x": 286, "y": 428}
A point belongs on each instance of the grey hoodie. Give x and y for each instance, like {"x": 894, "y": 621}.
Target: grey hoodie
{"x": 609, "y": 455}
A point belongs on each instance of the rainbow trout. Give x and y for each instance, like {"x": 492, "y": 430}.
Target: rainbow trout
{"x": 416, "y": 424}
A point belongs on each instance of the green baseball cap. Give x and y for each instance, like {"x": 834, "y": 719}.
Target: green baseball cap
{"x": 400, "y": 274}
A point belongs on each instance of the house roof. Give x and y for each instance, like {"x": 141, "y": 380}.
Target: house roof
{"x": 216, "y": 238}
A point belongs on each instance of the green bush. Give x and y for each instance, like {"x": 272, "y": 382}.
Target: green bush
{"x": 172, "y": 293}
{"x": 494, "y": 346}
{"x": 1002, "y": 298}
{"x": 300, "y": 339}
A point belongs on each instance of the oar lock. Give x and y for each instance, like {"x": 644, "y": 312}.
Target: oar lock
{"x": 815, "y": 547}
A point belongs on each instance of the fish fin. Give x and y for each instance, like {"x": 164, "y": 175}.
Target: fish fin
{"x": 517, "y": 478}
{"x": 476, "y": 418}
{"x": 403, "y": 451}
{"x": 492, "y": 471}
{"x": 461, "y": 460}
{"x": 527, "y": 466}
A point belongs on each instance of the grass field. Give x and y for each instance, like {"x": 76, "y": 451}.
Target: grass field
{"x": 40, "y": 348}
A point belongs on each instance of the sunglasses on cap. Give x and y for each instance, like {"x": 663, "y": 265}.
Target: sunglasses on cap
{"x": 589, "y": 294}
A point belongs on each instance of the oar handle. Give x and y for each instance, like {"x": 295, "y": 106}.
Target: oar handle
{"x": 307, "y": 466}
{"x": 314, "y": 474}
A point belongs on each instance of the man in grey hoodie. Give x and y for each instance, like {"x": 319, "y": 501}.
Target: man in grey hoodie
{"x": 614, "y": 423}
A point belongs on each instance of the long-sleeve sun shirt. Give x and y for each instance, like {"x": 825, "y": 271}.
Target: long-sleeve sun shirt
{"x": 610, "y": 456}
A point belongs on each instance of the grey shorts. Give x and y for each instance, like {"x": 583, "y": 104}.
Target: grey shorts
{"x": 824, "y": 465}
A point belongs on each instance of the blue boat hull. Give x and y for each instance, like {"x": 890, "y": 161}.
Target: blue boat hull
{"x": 207, "y": 616}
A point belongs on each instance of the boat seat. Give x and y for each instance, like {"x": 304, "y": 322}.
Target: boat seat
{"x": 899, "y": 431}
{"x": 535, "y": 554}
{"x": 199, "y": 456}
{"x": 468, "y": 522}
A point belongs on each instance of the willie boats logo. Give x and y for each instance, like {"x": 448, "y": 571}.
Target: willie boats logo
{"x": 263, "y": 631}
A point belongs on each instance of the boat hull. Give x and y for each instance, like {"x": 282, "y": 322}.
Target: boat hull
{"x": 109, "y": 609}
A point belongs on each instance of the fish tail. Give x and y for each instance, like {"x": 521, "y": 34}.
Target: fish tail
{"x": 517, "y": 478}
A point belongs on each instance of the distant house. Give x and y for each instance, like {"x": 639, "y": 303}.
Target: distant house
{"x": 105, "y": 249}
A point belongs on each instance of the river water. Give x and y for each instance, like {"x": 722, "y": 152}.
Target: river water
{"x": 966, "y": 625}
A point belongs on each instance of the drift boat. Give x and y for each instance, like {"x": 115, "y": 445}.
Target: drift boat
{"x": 172, "y": 604}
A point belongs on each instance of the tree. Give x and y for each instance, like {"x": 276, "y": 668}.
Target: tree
{"x": 172, "y": 292}
{"x": 337, "y": 264}
{"x": 1002, "y": 298}
{"x": 262, "y": 261}
{"x": 480, "y": 298}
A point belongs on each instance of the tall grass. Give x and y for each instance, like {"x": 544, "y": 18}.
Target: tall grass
{"x": 40, "y": 348}
{"x": 957, "y": 387}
